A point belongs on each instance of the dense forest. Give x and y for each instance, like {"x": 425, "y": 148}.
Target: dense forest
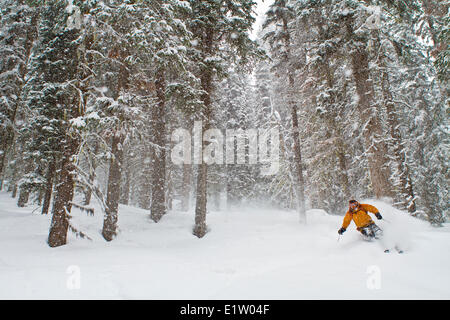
{"x": 92, "y": 92}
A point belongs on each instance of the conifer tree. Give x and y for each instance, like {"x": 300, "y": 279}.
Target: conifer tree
{"x": 18, "y": 30}
{"x": 53, "y": 94}
{"x": 214, "y": 24}
{"x": 281, "y": 14}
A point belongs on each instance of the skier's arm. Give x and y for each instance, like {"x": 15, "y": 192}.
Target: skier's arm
{"x": 372, "y": 209}
{"x": 347, "y": 220}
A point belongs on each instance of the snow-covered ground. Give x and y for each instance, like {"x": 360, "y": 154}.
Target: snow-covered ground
{"x": 251, "y": 254}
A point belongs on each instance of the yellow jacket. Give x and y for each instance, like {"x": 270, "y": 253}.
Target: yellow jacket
{"x": 359, "y": 216}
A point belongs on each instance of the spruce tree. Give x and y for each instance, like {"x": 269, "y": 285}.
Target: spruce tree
{"x": 220, "y": 31}
{"x": 18, "y": 30}
{"x": 281, "y": 15}
{"x": 53, "y": 94}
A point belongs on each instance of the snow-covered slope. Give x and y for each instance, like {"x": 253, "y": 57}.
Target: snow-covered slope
{"x": 252, "y": 254}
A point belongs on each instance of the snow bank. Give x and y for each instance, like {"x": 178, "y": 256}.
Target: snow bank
{"x": 248, "y": 254}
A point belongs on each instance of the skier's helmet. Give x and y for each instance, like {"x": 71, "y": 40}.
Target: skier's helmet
{"x": 353, "y": 204}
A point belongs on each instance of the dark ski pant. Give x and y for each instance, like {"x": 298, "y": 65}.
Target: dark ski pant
{"x": 371, "y": 231}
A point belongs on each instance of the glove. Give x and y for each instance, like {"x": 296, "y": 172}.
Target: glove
{"x": 341, "y": 230}
{"x": 378, "y": 215}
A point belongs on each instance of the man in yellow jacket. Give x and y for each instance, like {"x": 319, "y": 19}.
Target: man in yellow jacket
{"x": 358, "y": 212}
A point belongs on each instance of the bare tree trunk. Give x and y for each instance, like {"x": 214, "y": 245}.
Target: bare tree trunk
{"x": 158, "y": 206}
{"x": 113, "y": 193}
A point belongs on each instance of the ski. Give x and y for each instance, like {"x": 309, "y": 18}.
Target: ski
{"x": 400, "y": 251}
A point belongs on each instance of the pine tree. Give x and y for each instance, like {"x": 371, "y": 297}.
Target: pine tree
{"x": 234, "y": 114}
{"x": 369, "y": 110}
{"x": 281, "y": 13}
{"x": 53, "y": 92}
{"x": 142, "y": 45}
{"x": 112, "y": 107}
{"x": 17, "y": 33}
{"x": 215, "y": 24}
{"x": 164, "y": 40}
{"x": 419, "y": 89}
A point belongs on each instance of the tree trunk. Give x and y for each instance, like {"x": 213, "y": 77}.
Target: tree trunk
{"x": 49, "y": 187}
{"x": 113, "y": 192}
{"x": 436, "y": 9}
{"x": 145, "y": 183}
{"x": 7, "y": 139}
{"x": 24, "y": 194}
{"x": 92, "y": 168}
{"x": 2, "y": 161}
{"x": 300, "y": 185}
{"x": 340, "y": 145}
{"x": 298, "y": 165}
{"x": 18, "y": 163}
{"x": 158, "y": 205}
{"x": 125, "y": 193}
{"x": 412, "y": 200}
{"x": 344, "y": 174}
{"x": 30, "y": 35}
{"x": 230, "y": 185}
{"x": 24, "y": 191}
{"x": 375, "y": 147}
{"x": 14, "y": 191}
{"x": 109, "y": 230}
{"x": 200, "y": 228}
{"x": 216, "y": 195}
{"x": 88, "y": 193}
{"x": 169, "y": 189}
{"x": 63, "y": 198}
{"x": 405, "y": 193}
{"x": 186, "y": 187}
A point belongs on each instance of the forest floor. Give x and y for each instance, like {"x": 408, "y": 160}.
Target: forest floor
{"x": 247, "y": 254}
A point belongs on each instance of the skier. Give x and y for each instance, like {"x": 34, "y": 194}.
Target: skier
{"x": 358, "y": 212}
